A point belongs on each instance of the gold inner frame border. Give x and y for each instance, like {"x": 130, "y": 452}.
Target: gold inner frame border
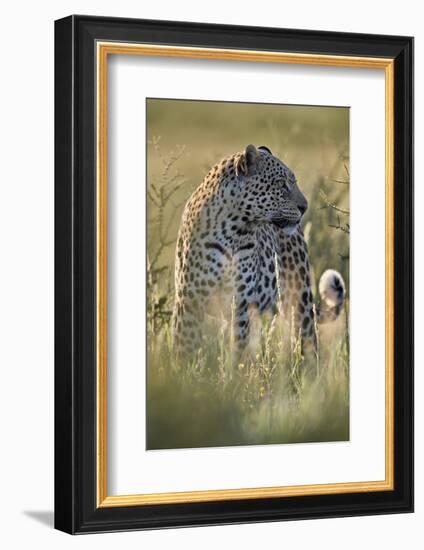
{"x": 103, "y": 50}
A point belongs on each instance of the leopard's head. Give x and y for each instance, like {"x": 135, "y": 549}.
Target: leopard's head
{"x": 267, "y": 189}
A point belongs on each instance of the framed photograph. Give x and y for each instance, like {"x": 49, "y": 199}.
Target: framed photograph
{"x": 234, "y": 274}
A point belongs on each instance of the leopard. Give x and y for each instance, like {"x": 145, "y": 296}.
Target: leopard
{"x": 241, "y": 239}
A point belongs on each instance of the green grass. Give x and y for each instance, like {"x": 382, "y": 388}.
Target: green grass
{"x": 272, "y": 395}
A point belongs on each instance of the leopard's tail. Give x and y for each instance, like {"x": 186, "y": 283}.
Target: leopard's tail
{"x": 332, "y": 292}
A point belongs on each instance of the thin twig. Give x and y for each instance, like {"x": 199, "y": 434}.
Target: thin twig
{"x": 341, "y": 228}
{"x": 331, "y": 205}
{"x": 341, "y": 181}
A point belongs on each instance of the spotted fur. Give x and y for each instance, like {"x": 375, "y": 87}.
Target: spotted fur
{"x": 240, "y": 240}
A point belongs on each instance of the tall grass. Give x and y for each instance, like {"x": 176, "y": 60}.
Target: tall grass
{"x": 272, "y": 395}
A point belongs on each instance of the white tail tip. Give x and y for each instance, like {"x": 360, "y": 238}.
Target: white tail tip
{"x": 332, "y": 288}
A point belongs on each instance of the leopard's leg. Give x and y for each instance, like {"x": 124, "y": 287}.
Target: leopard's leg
{"x": 187, "y": 314}
{"x": 243, "y": 309}
{"x": 297, "y": 299}
{"x": 245, "y": 304}
{"x": 186, "y": 323}
{"x": 196, "y": 281}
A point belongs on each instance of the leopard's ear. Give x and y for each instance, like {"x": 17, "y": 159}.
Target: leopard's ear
{"x": 248, "y": 162}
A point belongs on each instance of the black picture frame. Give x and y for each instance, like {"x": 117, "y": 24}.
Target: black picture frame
{"x": 76, "y": 510}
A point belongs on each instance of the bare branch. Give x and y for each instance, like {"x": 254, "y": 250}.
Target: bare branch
{"x": 346, "y": 168}
{"x": 331, "y": 205}
{"x": 341, "y": 181}
{"x": 344, "y": 228}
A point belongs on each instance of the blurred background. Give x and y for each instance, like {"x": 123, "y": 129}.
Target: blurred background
{"x": 272, "y": 398}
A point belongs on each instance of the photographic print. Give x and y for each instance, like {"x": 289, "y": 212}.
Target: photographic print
{"x": 210, "y": 306}
{"x": 248, "y": 274}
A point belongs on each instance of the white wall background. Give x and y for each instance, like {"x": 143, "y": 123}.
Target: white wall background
{"x": 26, "y": 274}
